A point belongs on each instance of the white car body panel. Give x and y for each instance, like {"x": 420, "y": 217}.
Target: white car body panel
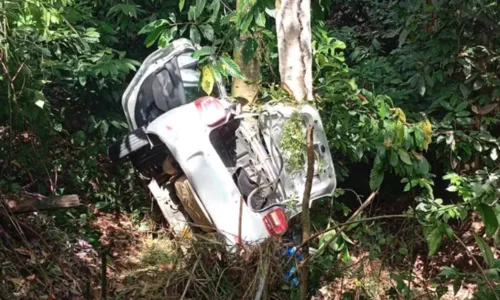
{"x": 187, "y": 138}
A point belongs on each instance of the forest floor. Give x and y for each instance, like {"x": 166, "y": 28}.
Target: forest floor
{"x": 40, "y": 260}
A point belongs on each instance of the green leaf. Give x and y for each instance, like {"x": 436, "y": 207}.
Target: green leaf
{"x": 446, "y": 105}
{"x": 153, "y": 36}
{"x": 393, "y": 158}
{"x": 489, "y": 218}
{"x": 478, "y": 84}
{"x": 376, "y": 44}
{"x": 214, "y": 7}
{"x": 485, "y": 250}
{"x": 245, "y": 24}
{"x": 101, "y": 205}
{"x": 457, "y": 284}
{"x": 116, "y": 124}
{"x": 419, "y": 137}
{"x": 423, "y": 166}
{"x": 434, "y": 238}
{"x": 194, "y": 35}
{"x": 40, "y": 99}
{"x": 58, "y": 127}
{"x": 477, "y": 146}
{"x": 208, "y": 31}
{"x": 93, "y": 124}
{"x": 200, "y": 6}
{"x": 249, "y": 50}
{"x": 352, "y": 84}
{"x": 448, "y": 271}
{"x": 153, "y": 26}
{"x": 346, "y": 238}
{"x": 104, "y": 128}
{"x": 203, "y": 51}
{"x": 260, "y": 20}
{"x": 40, "y": 103}
{"x": 231, "y": 67}
{"x": 494, "y": 154}
{"x": 449, "y": 138}
{"x": 464, "y": 90}
{"x": 404, "y": 156}
{"x": 429, "y": 80}
{"x": 181, "y": 4}
{"x": 493, "y": 274}
{"x": 461, "y": 106}
{"x": 82, "y": 80}
{"x": 192, "y": 13}
{"x": 172, "y": 17}
{"x": 376, "y": 178}
{"x": 403, "y": 36}
{"x": 462, "y": 114}
{"x": 421, "y": 86}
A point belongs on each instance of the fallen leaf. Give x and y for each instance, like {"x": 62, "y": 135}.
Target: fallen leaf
{"x": 31, "y": 279}
{"x": 167, "y": 266}
{"x": 17, "y": 281}
{"x": 23, "y": 251}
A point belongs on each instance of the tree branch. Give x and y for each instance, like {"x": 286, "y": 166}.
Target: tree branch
{"x": 352, "y": 217}
{"x": 306, "y": 220}
{"x": 483, "y": 274}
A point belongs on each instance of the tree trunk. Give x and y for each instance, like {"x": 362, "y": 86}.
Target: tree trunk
{"x": 293, "y": 26}
{"x": 246, "y": 88}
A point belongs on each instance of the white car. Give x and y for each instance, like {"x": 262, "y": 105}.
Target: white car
{"x": 209, "y": 165}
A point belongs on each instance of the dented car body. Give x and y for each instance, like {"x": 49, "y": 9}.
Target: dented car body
{"x": 210, "y": 165}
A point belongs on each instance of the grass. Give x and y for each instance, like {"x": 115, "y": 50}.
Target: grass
{"x": 140, "y": 265}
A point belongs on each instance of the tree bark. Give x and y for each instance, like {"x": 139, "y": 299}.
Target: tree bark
{"x": 293, "y": 29}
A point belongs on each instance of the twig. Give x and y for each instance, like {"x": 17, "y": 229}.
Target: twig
{"x": 306, "y": 220}
{"x": 19, "y": 224}
{"x": 488, "y": 282}
{"x": 355, "y": 194}
{"x": 342, "y": 227}
{"x": 17, "y": 72}
{"x": 240, "y": 218}
{"x": 262, "y": 282}
{"x": 190, "y": 277}
{"x": 104, "y": 283}
{"x": 352, "y": 217}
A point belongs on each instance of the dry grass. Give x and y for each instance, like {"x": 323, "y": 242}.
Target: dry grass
{"x": 45, "y": 262}
{"x": 39, "y": 260}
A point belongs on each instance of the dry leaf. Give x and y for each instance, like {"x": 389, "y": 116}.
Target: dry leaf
{"x": 417, "y": 155}
{"x": 23, "y": 251}
{"x": 167, "y": 266}
{"x": 31, "y": 279}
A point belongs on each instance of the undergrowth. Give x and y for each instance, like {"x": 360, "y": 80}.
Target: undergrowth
{"x": 408, "y": 90}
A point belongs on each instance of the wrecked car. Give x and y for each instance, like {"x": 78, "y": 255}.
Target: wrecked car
{"x": 209, "y": 164}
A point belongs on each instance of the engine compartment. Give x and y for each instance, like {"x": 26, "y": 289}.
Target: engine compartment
{"x": 248, "y": 165}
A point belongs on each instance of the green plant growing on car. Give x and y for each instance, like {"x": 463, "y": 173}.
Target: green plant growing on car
{"x": 292, "y": 142}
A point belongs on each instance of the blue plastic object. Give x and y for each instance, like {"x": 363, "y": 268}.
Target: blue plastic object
{"x": 289, "y": 252}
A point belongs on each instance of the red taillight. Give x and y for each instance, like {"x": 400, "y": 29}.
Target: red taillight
{"x": 211, "y": 110}
{"x": 275, "y": 221}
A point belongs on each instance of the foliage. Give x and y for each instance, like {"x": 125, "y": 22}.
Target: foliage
{"x": 401, "y": 86}
{"x": 292, "y": 142}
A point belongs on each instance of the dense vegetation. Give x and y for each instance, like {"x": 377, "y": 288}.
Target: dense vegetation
{"x": 408, "y": 90}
